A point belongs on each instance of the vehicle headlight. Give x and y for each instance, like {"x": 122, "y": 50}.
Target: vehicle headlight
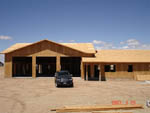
{"x": 70, "y": 79}
{"x": 59, "y": 79}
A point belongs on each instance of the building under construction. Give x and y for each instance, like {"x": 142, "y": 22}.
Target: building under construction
{"x": 44, "y": 58}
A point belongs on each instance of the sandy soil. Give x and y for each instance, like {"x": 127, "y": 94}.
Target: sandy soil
{"x": 27, "y": 95}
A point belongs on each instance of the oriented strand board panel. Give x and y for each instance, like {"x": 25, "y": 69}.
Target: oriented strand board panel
{"x": 33, "y": 66}
{"x": 8, "y": 66}
{"x": 120, "y": 74}
{"x": 43, "y": 48}
{"x": 83, "y": 47}
{"x": 47, "y": 48}
{"x": 120, "y": 56}
{"x": 142, "y": 77}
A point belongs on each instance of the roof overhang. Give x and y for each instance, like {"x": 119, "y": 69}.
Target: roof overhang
{"x": 30, "y": 44}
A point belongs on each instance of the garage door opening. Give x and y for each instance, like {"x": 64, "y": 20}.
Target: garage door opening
{"x": 96, "y": 72}
{"x": 22, "y": 67}
{"x": 72, "y": 64}
{"x": 45, "y": 66}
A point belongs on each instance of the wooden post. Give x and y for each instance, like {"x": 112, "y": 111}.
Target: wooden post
{"x": 102, "y": 72}
{"x": 58, "y": 66}
{"x": 99, "y": 68}
{"x": 82, "y": 70}
{"x": 8, "y": 66}
{"x": 34, "y": 66}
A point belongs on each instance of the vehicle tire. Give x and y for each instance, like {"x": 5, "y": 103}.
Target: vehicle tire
{"x": 56, "y": 85}
{"x": 72, "y": 85}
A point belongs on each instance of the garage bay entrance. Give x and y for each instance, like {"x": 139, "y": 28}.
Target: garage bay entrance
{"x": 72, "y": 64}
{"x": 22, "y": 67}
{"x": 45, "y": 66}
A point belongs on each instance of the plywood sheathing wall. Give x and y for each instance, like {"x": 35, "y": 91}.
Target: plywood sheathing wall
{"x": 33, "y": 66}
{"x": 8, "y": 65}
{"x": 82, "y": 70}
{"x": 44, "y": 48}
{"x": 122, "y": 70}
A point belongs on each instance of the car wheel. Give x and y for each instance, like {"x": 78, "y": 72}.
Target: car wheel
{"x": 72, "y": 85}
{"x": 56, "y": 85}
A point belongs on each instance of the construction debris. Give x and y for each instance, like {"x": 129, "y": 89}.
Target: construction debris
{"x": 142, "y": 77}
{"x": 96, "y": 108}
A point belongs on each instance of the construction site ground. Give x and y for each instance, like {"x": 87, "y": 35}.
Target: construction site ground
{"x": 39, "y": 95}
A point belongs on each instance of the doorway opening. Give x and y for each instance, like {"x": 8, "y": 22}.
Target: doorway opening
{"x": 45, "y": 66}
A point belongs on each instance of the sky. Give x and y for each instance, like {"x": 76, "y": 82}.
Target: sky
{"x": 108, "y": 24}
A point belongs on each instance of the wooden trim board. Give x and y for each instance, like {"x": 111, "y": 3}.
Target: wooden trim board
{"x": 97, "y": 108}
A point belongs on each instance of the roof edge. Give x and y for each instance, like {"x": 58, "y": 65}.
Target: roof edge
{"x": 43, "y": 41}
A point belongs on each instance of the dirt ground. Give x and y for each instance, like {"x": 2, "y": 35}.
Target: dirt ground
{"x": 27, "y": 95}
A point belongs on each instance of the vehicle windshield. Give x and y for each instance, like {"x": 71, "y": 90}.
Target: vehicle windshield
{"x": 64, "y": 74}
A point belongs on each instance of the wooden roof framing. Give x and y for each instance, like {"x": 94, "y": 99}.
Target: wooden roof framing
{"x": 86, "y": 48}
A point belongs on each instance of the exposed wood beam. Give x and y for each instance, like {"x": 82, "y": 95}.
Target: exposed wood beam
{"x": 97, "y": 108}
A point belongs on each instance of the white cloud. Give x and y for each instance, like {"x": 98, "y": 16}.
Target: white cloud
{"x": 98, "y": 42}
{"x": 122, "y": 43}
{"x": 128, "y": 44}
{"x": 134, "y": 44}
{"x": 72, "y": 41}
{"x": 125, "y": 47}
{"x": 2, "y": 37}
{"x": 103, "y": 45}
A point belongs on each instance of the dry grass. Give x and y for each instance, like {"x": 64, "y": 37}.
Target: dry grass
{"x": 27, "y": 95}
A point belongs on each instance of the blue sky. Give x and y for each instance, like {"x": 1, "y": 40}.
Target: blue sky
{"x": 108, "y": 24}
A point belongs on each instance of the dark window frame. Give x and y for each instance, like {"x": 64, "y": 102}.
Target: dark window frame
{"x": 107, "y": 68}
{"x": 130, "y": 68}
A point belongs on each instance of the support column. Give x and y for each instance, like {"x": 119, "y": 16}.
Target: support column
{"x": 58, "y": 66}
{"x": 82, "y": 70}
{"x": 33, "y": 66}
{"x": 99, "y": 68}
{"x": 8, "y": 66}
{"x": 102, "y": 72}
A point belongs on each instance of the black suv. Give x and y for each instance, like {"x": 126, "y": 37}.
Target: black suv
{"x": 63, "y": 78}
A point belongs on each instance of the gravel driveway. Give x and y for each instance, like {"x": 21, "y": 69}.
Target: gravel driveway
{"x": 27, "y": 95}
